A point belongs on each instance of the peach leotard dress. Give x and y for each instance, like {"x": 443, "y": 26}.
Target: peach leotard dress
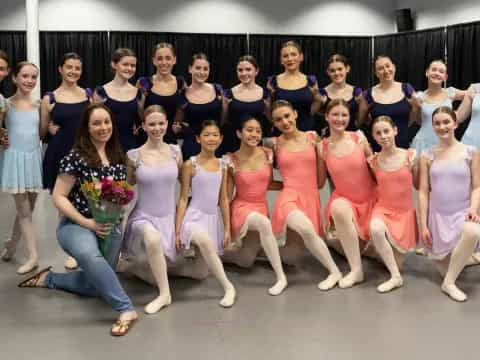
{"x": 395, "y": 204}
{"x": 300, "y": 186}
{"x": 251, "y": 187}
{"x": 353, "y": 183}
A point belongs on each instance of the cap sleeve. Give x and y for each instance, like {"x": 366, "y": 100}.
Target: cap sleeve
{"x": 89, "y": 93}
{"x": 71, "y": 164}
{"x": 367, "y": 94}
{"x": 311, "y": 80}
{"x": 228, "y": 161}
{"x": 145, "y": 83}
{"x": 133, "y": 154}
{"x": 407, "y": 89}
{"x": 372, "y": 161}
{"x": 272, "y": 82}
{"x": 411, "y": 156}
{"x": 100, "y": 90}
{"x": 218, "y": 89}
{"x": 228, "y": 94}
{"x": 51, "y": 97}
{"x": 357, "y": 91}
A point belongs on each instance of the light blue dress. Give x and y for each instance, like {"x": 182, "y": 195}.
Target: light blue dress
{"x": 472, "y": 134}
{"x": 426, "y": 137}
{"x": 21, "y": 162}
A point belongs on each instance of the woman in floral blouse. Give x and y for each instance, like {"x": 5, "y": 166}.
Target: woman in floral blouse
{"x": 96, "y": 154}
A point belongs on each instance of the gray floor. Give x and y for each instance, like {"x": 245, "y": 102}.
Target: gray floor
{"x": 416, "y": 322}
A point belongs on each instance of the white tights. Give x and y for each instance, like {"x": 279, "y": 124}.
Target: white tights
{"x": 246, "y": 256}
{"x": 301, "y": 224}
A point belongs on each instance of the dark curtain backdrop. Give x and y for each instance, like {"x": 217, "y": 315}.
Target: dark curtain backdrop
{"x": 412, "y": 52}
{"x": 92, "y": 46}
{"x": 463, "y": 44}
{"x": 223, "y": 51}
{"x": 317, "y": 50}
{"x": 14, "y": 44}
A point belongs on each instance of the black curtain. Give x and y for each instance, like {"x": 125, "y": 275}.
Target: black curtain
{"x": 412, "y": 52}
{"x": 463, "y": 44}
{"x": 92, "y": 46}
{"x": 14, "y": 44}
{"x": 317, "y": 50}
{"x": 223, "y": 51}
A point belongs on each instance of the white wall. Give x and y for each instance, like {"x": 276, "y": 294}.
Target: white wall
{"x": 435, "y": 13}
{"x": 360, "y": 17}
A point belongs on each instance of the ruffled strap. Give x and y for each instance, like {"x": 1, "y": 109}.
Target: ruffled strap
{"x": 359, "y": 137}
{"x": 311, "y": 80}
{"x": 312, "y": 137}
{"x": 268, "y": 155}
{"x": 451, "y": 92}
{"x": 145, "y": 83}
{"x": 272, "y": 82}
{"x": 224, "y": 162}
{"x": 51, "y": 97}
{"x": 469, "y": 150}
{"x": 408, "y": 90}
{"x": 230, "y": 161}
{"x": 134, "y": 156}
{"x": 411, "y": 156}
{"x": 194, "y": 161}
{"x": 89, "y": 93}
{"x": 372, "y": 161}
{"x": 429, "y": 154}
{"x": 176, "y": 153}
{"x": 420, "y": 95}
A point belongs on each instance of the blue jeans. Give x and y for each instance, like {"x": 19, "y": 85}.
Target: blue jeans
{"x": 97, "y": 277}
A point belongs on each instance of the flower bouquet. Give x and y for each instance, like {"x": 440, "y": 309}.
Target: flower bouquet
{"x": 106, "y": 198}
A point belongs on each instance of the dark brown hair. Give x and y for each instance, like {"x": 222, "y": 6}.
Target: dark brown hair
{"x": 207, "y": 123}
{"x": 84, "y": 144}
{"x": 338, "y": 58}
{"x": 381, "y": 56}
{"x": 163, "y": 45}
{"x": 121, "y": 53}
{"x": 21, "y": 65}
{"x": 198, "y": 56}
{"x": 250, "y": 59}
{"x": 69, "y": 56}
{"x": 383, "y": 118}
{"x": 281, "y": 103}
{"x": 337, "y": 102}
{"x": 445, "y": 110}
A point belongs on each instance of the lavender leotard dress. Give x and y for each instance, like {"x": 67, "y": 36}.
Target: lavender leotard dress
{"x": 202, "y": 213}
{"x": 450, "y": 184}
{"x": 155, "y": 204}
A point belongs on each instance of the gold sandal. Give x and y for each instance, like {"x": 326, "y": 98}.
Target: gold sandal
{"x": 32, "y": 281}
{"x": 123, "y": 327}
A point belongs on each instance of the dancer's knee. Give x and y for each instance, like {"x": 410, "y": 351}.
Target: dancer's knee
{"x": 377, "y": 228}
{"x": 471, "y": 231}
{"x": 340, "y": 210}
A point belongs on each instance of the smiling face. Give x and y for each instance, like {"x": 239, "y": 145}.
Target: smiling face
{"x": 436, "y": 73}
{"x": 246, "y": 72}
{"x": 164, "y": 60}
{"x": 200, "y": 70}
{"x": 384, "y": 134}
{"x": 71, "y": 70}
{"x": 444, "y": 126}
{"x": 210, "y": 138}
{"x": 26, "y": 79}
{"x": 4, "y": 69}
{"x": 337, "y": 118}
{"x": 338, "y": 71}
{"x": 100, "y": 126}
{"x": 285, "y": 119}
{"x": 384, "y": 69}
{"x": 155, "y": 126}
{"x": 251, "y": 133}
{"x": 125, "y": 67}
{"x": 291, "y": 58}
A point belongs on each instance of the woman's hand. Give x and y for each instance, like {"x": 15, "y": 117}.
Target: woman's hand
{"x": 427, "y": 237}
{"x": 101, "y": 230}
{"x": 53, "y": 128}
{"x": 178, "y": 243}
{"x": 472, "y": 216}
